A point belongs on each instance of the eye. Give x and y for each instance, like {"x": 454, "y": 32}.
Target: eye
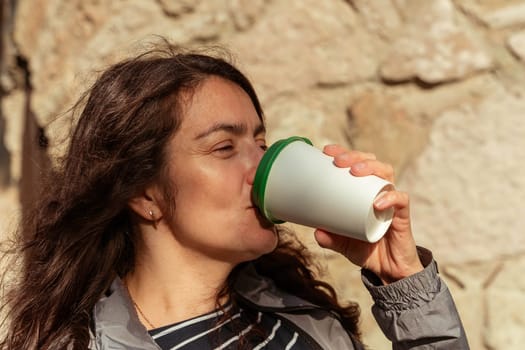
{"x": 225, "y": 148}
{"x": 262, "y": 144}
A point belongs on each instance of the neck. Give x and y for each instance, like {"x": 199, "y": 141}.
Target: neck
{"x": 170, "y": 284}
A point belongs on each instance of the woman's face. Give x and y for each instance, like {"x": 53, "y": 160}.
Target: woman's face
{"x": 212, "y": 161}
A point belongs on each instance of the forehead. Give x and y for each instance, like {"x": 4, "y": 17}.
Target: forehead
{"x": 216, "y": 100}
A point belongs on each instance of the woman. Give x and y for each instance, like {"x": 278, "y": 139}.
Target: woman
{"x": 147, "y": 237}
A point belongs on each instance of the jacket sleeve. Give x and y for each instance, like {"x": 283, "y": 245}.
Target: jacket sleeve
{"x": 417, "y": 312}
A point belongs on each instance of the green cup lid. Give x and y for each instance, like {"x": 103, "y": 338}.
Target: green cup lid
{"x": 263, "y": 170}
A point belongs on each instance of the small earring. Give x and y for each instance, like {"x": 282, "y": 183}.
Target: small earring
{"x": 150, "y": 212}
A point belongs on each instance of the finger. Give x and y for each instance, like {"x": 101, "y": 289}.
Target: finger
{"x": 334, "y": 150}
{"x": 331, "y": 241}
{"x": 324, "y": 239}
{"x": 393, "y": 199}
{"x": 373, "y": 167}
{"x": 355, "y": 250}
{"x": 349, "y": 158}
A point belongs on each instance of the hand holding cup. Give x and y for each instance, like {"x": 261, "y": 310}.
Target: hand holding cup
{"x": 394, "y": 256}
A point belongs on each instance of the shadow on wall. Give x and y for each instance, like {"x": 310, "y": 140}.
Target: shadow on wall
{"x": 5, "y": 157}
{"x": 35, "y": 160}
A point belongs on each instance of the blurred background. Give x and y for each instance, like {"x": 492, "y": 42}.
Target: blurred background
{"x": 435, "y": 87}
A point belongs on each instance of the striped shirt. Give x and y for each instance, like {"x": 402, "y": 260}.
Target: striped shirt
{"x": 211, "y": 331}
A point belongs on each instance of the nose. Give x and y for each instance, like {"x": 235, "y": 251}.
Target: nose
{"x": 255, "y": 159}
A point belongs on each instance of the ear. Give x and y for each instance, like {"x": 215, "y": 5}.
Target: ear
{"x": 146, "y": 205}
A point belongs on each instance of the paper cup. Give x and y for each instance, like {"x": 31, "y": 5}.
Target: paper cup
{"x": 297, "y": 182}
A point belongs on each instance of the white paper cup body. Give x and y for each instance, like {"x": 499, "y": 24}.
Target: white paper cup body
{"x": 303, "y": 186}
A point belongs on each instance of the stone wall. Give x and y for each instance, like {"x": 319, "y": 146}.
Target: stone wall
{"x": 436, "y": 87}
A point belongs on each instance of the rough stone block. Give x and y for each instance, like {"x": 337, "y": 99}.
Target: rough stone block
{"x": 379, "y": 124}
{"x": 516, "y": 43}
{"x": 497, "y": 14}
{"x": 13, "y": 108}
{"x": 506, "y": 306}
{"x": 10, "y": 209}
{"x": 467, "y": 284}
{"x": 448, "y": 57}
{"x": 468, "y": 184}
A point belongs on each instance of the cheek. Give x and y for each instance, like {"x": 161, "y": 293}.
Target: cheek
{"x": 206, "y": 195}
{"x": 217, "y": 186}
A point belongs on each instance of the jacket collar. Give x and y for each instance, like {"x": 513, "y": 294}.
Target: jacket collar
{"x": 117, "y": 325}
{"x": 263, "y": 293}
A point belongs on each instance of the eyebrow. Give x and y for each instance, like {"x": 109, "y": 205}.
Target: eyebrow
{"x": 236, "y": 129}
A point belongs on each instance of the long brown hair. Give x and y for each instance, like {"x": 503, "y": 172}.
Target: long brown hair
{"x": 79, "y": 236}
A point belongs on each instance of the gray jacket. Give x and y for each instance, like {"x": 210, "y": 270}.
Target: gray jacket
{"x": 414, "y": 313}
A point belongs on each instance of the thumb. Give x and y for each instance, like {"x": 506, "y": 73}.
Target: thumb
{"x": 324, "y": 239}
{"x": 332, "y": 241}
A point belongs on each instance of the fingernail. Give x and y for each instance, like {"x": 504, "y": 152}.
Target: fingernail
{"x": 342, "y": 156}
{"x": 359, "y": 166}
{"x": 380, "y": 199}
{"x": 328, "y": 149}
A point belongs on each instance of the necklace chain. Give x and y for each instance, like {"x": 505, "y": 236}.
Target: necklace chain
{"x": 139, "y": 310}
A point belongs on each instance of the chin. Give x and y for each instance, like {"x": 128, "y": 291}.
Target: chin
{"x": 263, "y": 242}
{"x": 270, "y": 241}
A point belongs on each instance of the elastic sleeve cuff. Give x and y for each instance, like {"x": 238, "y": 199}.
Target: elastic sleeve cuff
{"x": 407, "y": 293}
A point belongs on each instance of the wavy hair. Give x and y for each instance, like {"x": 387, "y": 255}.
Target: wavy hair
{"x": 79, "y": 235}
